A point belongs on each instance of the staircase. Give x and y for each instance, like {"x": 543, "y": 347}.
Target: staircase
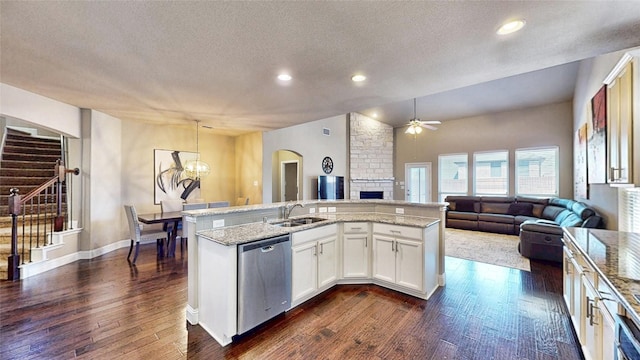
{"x": 27, "y": 162}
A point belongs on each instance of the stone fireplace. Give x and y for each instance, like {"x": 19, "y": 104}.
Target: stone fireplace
{"x": 371, "y": 156}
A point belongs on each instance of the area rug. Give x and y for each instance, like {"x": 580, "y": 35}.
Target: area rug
{"x": 496, "y": 249}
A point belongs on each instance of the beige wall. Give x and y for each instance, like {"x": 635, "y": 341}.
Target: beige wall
{"x": 591, "y": 75}
{"x": 138, "y": 143}
{"x": 549, "y": 125}
{"x": 248, "y": 150}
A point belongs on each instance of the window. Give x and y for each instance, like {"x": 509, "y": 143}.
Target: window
{"x": 491, "y": 170}
{"x": 537, "y": 171}
{"x": 452, "y": 175}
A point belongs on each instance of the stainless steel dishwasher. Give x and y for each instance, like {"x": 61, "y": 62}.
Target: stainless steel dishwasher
{"x": 264, "y": 280}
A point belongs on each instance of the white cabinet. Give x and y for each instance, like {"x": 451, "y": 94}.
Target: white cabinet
{"x": 327, "y": 261}
{"x": 314, "y": 262}
{"x": 398, "y": 256}
{"x": 304, "y": 270}
{"x": 620, "y": 122}
{"x": 592, "y": 336}
{"x": 590, "y": 305}
{"x": 356, "y": 247}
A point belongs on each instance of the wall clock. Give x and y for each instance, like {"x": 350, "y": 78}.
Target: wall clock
{"x": 327, "y": 165}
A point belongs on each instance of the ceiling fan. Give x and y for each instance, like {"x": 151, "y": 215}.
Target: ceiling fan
{"x": 416, "y": 125}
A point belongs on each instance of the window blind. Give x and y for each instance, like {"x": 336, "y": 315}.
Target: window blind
{"x": 629, "y": 209}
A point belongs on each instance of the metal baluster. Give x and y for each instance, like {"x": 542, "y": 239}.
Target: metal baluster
{"x": 24, "y": 221}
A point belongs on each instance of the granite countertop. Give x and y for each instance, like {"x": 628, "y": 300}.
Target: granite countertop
{"x": 240, "y": 234}
{"x": 236, "y": 209}
{"x": 616, "y": 257}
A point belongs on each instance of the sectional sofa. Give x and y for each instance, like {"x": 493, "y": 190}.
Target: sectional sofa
{"x": 538, "y": 221}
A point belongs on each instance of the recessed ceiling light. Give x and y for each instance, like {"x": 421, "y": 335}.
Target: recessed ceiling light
{"x": 511, "y": 27}
{"x": 358, "y": 78}
{"x": 374, "y": 115}
{"x": 284, "y": 77}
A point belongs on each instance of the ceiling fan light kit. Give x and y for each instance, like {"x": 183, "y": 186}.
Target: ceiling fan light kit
{"x": 416, "y": 125}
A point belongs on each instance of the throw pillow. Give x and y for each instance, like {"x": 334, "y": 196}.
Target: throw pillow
{"x": 524, "y": 209}
{"x": 465, "y": 205}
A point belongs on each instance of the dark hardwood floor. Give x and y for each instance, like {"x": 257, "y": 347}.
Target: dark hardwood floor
{"x": 104, "y": 308}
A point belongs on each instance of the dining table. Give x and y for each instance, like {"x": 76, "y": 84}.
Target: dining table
{"x": 172, "y": 221}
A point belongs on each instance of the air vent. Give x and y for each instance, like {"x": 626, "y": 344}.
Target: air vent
{"x": 326, "y": 131}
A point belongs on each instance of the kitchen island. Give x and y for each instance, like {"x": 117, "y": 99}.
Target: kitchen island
{"x": 394, "y": 244}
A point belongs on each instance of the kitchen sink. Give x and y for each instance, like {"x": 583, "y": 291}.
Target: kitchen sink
{"x": 298, "y": 221}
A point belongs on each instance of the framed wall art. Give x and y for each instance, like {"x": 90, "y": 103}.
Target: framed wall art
{"x": 171, "y": 181}
{"x": 580, "y": 186}
{"x": 597, "y": 142}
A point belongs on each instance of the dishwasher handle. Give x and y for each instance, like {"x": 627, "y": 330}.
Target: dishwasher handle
{"x": 267, "y": 249}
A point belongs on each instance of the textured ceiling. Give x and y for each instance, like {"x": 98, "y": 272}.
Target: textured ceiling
{"x": 173, "y": 62}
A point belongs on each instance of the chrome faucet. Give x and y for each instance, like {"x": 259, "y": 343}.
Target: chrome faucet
{"x": 289, "y": 207}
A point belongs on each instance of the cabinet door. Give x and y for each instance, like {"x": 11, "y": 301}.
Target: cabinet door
{"x": 327, "y": 261}
{"x": 567, "y": 280}
{"x": 592, "y": 344}
{"x": 304, "y": 274}
{"x": 620, "y": 126}
{"x": 355, "y": 262}
{"x": 384, "y": 258}
{"x": 578, "y": 299}
{"x": 409, "y": 264}
{"x": 608, "y": 334}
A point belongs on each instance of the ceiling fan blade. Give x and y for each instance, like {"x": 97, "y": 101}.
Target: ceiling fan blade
{"x": 432, "y": 122}
{"x": 428, "y": 126}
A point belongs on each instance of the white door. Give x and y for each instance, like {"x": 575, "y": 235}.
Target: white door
{"x": 356, "y": 255}
{"x": 592, "y": 335}
{"x": 327, "y": 261}
{"x": 303, "y": 271}
{"x": 384, "y": 258}
{"x": 417, "y": 177}
{"x": 567, "y": 281}
{"x": 409, "y": 264}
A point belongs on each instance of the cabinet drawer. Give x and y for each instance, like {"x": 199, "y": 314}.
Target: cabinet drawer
{"x": 301, "y": 237}
{"x": 356, "y": 228}
{"x": 401, "y": 231}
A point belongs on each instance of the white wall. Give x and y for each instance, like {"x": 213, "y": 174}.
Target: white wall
{"x": 591, "y": 75}
{"x": 307, "y": 140}
{"x": 101, "y": 180}
{"x": 42, "y": 111}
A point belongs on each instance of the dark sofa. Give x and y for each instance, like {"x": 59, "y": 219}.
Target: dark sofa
{"x": 538, "y": 221}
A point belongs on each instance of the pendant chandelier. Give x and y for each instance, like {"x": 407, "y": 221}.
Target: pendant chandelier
{"x": 195, "y": 169}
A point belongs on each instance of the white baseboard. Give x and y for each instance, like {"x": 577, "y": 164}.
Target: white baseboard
{"x": 192, "y": 315}
{"x": 442, "y": 279}
{"x": 38, "y": 267}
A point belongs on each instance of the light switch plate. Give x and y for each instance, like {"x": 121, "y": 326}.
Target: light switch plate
{"x": 332, "y": 209}
{"x": 322, "y": 209}
{"x": 399, "y": 210}
{"x": 312, "y": 210}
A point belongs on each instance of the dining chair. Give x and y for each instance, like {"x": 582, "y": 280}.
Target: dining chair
{"x": 171, "y": 205}
{"x": 137, "y": 233}
{"x": 194, "y": 206}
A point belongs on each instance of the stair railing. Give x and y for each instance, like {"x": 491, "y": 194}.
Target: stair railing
{"x": 35, "y": 211}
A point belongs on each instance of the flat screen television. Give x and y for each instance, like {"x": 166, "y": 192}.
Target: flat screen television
{"x": 330, "y": 187}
